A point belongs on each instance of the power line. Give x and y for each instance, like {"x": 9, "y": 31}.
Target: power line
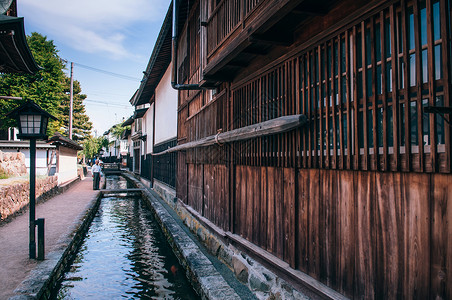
{"x": 104, "y": 103}
{"x": 102, "y": 93}
{"x": 106, "y": 72}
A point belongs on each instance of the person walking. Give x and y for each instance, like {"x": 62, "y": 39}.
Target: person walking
{"x": 95, "y": 170}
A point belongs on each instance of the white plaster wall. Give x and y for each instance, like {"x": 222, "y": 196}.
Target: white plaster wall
{"x": 130, "y": 143}
{"x": 67, "y": 164}
{"x": 165, "y": 109}
{"x": 148, "y": 127}
{"x": 123, "y": 147}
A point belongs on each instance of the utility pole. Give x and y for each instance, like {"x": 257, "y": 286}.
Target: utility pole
{"x": 71, "y": 100}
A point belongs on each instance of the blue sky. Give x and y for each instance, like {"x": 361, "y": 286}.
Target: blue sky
{"x": 112, "y": 35}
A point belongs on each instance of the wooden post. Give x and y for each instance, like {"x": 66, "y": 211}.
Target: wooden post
{"x": 32, "y": 216}
{"x": 41, "y": 239}
{"x": 274, "y": 126}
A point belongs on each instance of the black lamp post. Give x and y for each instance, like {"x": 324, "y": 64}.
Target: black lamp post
{"x": 32, "y": 122}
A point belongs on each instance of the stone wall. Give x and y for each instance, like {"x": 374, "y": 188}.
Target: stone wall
{"x": 265, "y": 284}
{"x": 15, "y": 197}
{"x": 12, "y": 163}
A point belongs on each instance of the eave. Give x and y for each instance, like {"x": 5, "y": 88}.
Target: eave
{"x": 127, "y": 122}
{"x": 15, "y": 56}
{"x": 136, "y": 136}
{"x": 139, "y": 113}
{"x": 60, "y": 140}
{"x": 24, "y": 145}
{"x": 158, "y": 63}
{"x": 270, "y": 26}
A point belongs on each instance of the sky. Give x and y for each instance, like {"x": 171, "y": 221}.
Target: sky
{"x": 115, "y": 36}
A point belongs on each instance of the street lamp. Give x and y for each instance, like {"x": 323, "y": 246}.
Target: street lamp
{"x": 32, "y": 122}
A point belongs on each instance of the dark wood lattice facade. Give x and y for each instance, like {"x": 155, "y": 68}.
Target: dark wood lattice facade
{"x": 360, "y": 197}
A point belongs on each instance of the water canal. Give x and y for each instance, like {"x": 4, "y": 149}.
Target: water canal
{"x": 124, "y": 255}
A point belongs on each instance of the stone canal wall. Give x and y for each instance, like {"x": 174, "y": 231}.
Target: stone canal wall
{"x": 264, "y": 283}
{"x": 15, "y": 196}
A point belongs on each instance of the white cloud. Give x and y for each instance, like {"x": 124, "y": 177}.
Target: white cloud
{"x": 92, "y": 42}
{"x": 92, "y": 26}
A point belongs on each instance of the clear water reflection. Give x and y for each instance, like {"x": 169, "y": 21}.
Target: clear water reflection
{"x": 125, "y": 255}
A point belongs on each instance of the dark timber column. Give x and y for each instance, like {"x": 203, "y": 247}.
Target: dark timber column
{"x": 32, "y": 240}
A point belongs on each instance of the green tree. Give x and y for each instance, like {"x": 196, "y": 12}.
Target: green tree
{"x": 118, "y": 129}
{"x": 48, "y": 88}
{"x": 92, "y": 145}
{"x": 45, "y": 87}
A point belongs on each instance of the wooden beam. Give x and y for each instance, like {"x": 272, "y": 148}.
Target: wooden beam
{"x": 274, "y": 126}
{"x": 266, "y": 40}
{"x": 209, "y": 83}
{"x": 238, "y": 64}
{"x": 255, "y": 51}
{"x": 218, "y": 77}
{"x": 313, "y": 11}
{"x": 120, "y": 191}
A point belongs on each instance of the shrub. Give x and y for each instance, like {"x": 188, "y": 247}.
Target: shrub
{"x": 3, "y": 175}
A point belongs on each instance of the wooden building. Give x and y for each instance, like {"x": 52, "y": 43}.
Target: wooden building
{"x": 360, "y": 197}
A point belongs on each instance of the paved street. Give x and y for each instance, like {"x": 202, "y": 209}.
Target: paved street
{"x": 61, "y": 213}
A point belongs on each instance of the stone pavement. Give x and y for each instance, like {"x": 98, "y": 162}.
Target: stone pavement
{"x": 62, "y": 213}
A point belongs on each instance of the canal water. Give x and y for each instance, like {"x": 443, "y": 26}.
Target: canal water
{"x": 125, "y": 256}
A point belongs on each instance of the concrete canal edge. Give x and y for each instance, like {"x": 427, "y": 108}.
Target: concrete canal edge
{"x": 44, "y": 278}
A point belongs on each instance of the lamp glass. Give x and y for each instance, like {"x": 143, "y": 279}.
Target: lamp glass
{"x": 30, "y": 124}
{"x": 45, "y": 121}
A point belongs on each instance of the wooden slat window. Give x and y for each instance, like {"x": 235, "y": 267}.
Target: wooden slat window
{"x": 194, "y": 45}
{"x": 205, "y": 121}
{"x": 182, "y": 58}
{"x": 224, "y": 18}
{"x": 363, "y": 91}
{"x": 268, "y": 97}
{"x": 249, "y": 5}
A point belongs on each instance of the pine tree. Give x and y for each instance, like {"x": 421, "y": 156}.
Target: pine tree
{"x": 49, "y": 88}
{"x": 45, "y": 87}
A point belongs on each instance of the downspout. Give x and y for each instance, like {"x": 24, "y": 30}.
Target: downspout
{"x": 174, "y": 83}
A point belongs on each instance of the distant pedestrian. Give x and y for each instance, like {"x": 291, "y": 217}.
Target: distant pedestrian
{"x": 96, "y": 175}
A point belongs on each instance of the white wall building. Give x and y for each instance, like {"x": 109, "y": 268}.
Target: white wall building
{"x": 43, "y": 154}
{"x": 165, "y": 109}
{"x": 66, "y": 158}
{"x": 159, "y": 128}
